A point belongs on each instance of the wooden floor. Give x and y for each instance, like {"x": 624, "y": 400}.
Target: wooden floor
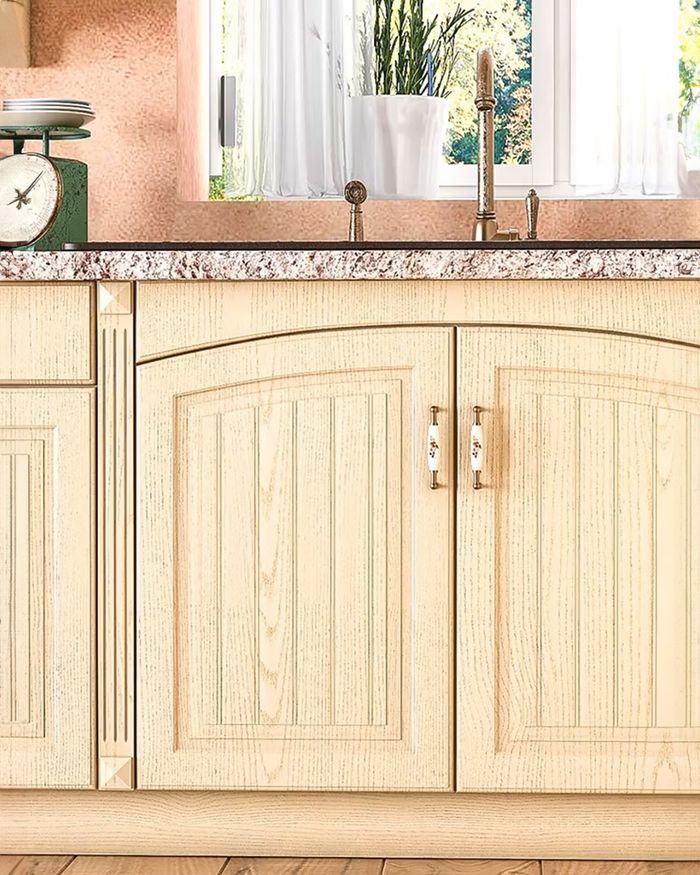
{"x": 249, "y": 866}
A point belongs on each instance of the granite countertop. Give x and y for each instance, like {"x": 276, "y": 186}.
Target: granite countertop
{"x": 369, "y": 262}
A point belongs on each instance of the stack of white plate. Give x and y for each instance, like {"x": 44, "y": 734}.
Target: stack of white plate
{"x": 48, "y": 111}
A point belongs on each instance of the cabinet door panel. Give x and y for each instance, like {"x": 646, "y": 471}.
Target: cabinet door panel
{"x": 46, "y": 588}
{"x": 294, "y": 580}
{"x": 579, "y": 614}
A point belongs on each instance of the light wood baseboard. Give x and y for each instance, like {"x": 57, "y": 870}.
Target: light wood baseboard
{"x": 351, "y": 825}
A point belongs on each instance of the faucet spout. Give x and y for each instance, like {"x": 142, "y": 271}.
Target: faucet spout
{"x": 485, "y": 96}
{"x": 486, "y": 226}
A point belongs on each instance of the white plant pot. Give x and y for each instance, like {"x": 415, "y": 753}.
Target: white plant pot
{"x": 396, "y": 144}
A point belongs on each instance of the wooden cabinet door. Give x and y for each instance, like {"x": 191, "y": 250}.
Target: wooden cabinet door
{"x": 578, "y": 580}
{"x": 47, "y": 529}
{"x": 294, "y": 574}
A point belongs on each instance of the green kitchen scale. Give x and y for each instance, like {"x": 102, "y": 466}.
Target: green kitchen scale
{"x": 48, "y": 197}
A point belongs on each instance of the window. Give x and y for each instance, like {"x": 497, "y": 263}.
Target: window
{"x": 581, "y": 109}
{"x": 521, "y": 33}
{"x": 689, "y": 71}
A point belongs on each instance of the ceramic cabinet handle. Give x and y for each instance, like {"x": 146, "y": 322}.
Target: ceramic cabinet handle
{"x": 433, "y": 448}
{"x": 476, "y": 449}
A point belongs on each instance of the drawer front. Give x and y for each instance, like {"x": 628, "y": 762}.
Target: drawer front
{"x": 46, "y": 333}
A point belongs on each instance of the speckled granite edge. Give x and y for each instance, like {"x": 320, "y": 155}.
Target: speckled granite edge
{"x": 410, "y": 264}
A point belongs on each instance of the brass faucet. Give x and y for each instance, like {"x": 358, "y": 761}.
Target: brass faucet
{"x": 486, "y": 226}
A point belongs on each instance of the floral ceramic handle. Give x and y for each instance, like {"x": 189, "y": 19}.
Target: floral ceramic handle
{"x": 433, "y": 448}
{"x": 476, "y": 449}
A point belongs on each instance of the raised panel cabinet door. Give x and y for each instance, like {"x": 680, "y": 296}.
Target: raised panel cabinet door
{"x": 47, "y": 528}
{"x": 578, "y": 582}
{"x": 294, "y": 573}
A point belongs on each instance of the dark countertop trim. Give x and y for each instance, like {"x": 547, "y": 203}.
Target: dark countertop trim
{"x": 374, "y": 246}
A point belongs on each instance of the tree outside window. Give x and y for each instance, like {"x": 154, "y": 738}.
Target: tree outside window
{"x": 505, "y": 26}
{"x": 689, "y": 69}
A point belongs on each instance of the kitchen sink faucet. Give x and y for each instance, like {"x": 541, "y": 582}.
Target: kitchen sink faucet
{"x": 486, "y": 226}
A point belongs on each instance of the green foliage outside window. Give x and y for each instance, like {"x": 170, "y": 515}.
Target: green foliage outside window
{"x": 216, "y": 188}
{"x": 689, "y": 72}
{"x": 689, "y": 67}
{"x": 505, "y": 26}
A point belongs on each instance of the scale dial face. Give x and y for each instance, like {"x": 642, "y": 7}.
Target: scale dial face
{"x": 31, "y": 193}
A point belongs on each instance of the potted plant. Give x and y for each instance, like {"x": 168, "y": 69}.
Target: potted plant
{"x": 397, "y": 133}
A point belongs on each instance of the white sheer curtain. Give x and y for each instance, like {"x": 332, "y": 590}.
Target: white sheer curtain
{"x": 295, "y": 63}
{"x": 625, "y": 94}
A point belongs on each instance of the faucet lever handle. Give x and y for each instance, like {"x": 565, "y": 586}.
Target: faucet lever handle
{"x": 532, "y": 207}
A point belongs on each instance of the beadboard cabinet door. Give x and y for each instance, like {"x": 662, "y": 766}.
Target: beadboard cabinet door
{"x": 47, "y": 529}
{"x": 578, "y": 581}
{"x": 294, "y": 573}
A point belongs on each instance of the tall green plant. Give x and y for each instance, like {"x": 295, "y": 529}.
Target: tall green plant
{"x": 414, "y": 54}
{"x": 384, "y": 44}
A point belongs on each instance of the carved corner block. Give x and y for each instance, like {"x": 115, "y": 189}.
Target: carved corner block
{"x": 116, "y": 773}
{"x": 114, "y": 299}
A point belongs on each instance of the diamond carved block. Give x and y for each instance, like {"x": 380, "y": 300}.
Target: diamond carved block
{"x": 114, "y": 299}
{"x": 116, "y": 773}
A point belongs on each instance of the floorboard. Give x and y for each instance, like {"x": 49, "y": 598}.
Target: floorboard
{"x": 258, "y": 866}
{"x": 29, "y": 865}
{"x": 66, "y": 865}
{"x": 146, "y": 866}
{"x": 603, "y": 867}
{"x": 461, "y": 867}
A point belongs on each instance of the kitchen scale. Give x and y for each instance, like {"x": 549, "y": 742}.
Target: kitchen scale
{"x": 43, "y": 199}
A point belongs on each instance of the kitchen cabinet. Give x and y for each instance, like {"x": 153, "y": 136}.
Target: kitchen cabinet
{"x": 281, "y": 602}
{"x": 579, "y": 565}
{"x": 46, "y": 587}
{"x": 295, "y": 620}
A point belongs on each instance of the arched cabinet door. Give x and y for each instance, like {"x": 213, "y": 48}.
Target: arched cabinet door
{"x": 294, "y": 574}
{"x": 578, "y": 581}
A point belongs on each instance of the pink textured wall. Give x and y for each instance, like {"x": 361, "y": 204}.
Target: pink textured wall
{"x": 120, "y": 54}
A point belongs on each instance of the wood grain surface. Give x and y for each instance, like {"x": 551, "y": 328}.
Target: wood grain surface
{"x": 115, "y": 537}
{"x": 146, "y": 866}
{"x": 328, "y": 666}
{"x": 298, "y": 866}
{"x": 34, "y": 865}
{"x": 610, "y": 867}
{"x": 47, "y": 332}
{"x": 513, "y": 826}
{"x": 47, "y": 482}
{"x": 461, "y": 867}
{"x": 38, "y": 865}
{"x": 180, "y": 316}
{"x": 579, "y": 613}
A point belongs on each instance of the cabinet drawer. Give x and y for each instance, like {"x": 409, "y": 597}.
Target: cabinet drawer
{"x": 46, "y": 333}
